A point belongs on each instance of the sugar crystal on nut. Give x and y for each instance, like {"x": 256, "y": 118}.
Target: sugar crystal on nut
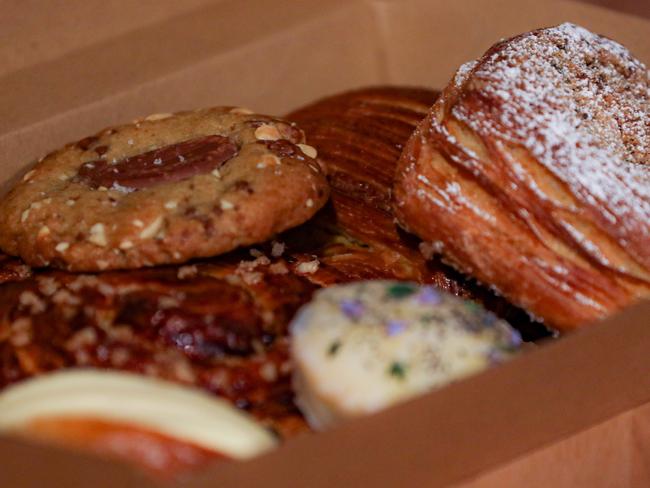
{"x": 308, "y": 150}
{"x": 152, "y": 229}
{"x": 98, "y": 235}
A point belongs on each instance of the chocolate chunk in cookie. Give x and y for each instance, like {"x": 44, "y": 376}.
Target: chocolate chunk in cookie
{"x": 164, "y": 189}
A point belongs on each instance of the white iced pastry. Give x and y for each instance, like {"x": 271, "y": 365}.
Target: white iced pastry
{"x": 360, "y": 347}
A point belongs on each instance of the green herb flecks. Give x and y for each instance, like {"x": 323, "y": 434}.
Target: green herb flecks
{"x": 333, "y": 348}
{"x": 401, "y": 290}
{"x": 397, "y": 370}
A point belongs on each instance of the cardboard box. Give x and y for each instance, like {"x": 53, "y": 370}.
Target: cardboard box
{"x": 575, "y": 412}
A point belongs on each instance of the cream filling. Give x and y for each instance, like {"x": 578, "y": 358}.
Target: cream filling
{"x": 179, "y": 412}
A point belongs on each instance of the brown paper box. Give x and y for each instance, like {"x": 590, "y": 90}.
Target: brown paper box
{"x": 575, "y": 412}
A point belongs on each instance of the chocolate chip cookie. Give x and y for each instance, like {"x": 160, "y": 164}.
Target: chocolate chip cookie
{"x": 164, "y": 189}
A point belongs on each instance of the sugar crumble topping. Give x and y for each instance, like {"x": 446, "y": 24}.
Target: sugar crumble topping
{"x": 579, "y": 103}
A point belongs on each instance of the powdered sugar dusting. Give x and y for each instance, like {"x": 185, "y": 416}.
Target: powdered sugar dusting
{"x": 463, "y": 72}
{"x": 580, "y": 104}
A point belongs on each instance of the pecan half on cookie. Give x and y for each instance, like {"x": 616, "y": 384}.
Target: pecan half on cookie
{"x": 164, "y": 189}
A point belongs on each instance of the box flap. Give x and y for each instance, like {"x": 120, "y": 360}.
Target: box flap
{"x": 31, "y": 33}
{"x": 250, "y": 54}
{"x": 623, "y": 441}
{"x": 38, "y": 466}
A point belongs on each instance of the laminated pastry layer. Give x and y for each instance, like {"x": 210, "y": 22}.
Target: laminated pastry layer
{"x": 359, "y": 136}
{"x": 531, "y": 174}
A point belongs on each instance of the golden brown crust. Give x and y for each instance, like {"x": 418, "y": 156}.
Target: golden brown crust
{"x": 207, "y": 324}
{"x": 531, "y": 174}
{"x": 162, "y": 190}
{"x": 359, "y": 136}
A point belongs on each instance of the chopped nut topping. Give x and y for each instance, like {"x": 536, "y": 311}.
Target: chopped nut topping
{"x": 269, "y": 372}
{"x": 308, "y": 150}
{"x": 171, "y": 205}
{"x": 21, "y": 332}
{"x": 138, "y": 223}
{"x": 47, "y": 285}
{"x": 64, "y": 297}
{"x": 216, "y": 173}
{"x": 277, "y": 249}
{"x": 25, "y": 215}
{"x": 251, "y": 265}
{"x": 30, "y": 300}
{"x": 98, "y": 235}
{"x": 309, "y": 203}
{"x": 251, "y": 278}
{"x": 28, "y": 176}
{"x": 101, "y": 264}
{"x": 430, "y": 249}
{"x": 152, "y": 229}
{"x": 43, "y": 231}
{"x": 124, "y": 245}
{"x": 84, "y": 337}
{"x": 226, "y": 205}
{"x": 278, "y": 268}
{"x": 187, "y": 272}
{"x": 308, "y": 267}
{"x": 70, "y": 203}
{"x": 105, "y": 289}
{"x": 62, "y": 247}
{"x": 267, "y": 132}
